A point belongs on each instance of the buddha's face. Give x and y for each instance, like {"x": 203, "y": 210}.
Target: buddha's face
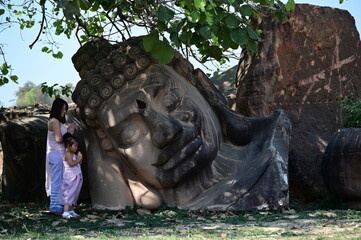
{"x": 162, "y": 126}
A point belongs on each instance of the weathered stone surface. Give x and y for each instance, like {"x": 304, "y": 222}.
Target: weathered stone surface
{"x": 164, "y": 133}
{"x": 304, "y": 67}
{"x": 260, "y": 176}
{"x": 7, "y": 114}
{"x": 226, "y": 84}
{"x": 23, "y": 142}
{"x": 1, "y": 160}
{"x": 341, "y": 165}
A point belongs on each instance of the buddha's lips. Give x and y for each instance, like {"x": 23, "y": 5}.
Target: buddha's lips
{"x": 187, "y": 144}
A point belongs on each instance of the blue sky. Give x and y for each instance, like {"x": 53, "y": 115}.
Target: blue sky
{"x": 33, "y": 65}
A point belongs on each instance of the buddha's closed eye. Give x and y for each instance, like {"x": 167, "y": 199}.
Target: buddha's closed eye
{"x": 172, "y": 100}
{"x": 128, "y": 132}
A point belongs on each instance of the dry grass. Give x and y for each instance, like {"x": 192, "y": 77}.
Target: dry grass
{"x": 320, "y": 221}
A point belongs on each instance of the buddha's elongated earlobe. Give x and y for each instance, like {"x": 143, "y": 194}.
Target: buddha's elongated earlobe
{"x": 235, "y": 128}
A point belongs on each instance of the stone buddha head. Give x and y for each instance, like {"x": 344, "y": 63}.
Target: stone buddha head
{"x": 153, "y": 115}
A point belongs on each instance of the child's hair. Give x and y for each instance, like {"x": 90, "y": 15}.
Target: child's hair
{"x": 69, "y": 139}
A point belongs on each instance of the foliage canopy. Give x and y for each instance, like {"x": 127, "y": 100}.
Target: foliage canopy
{"x": 351, "y": 106}
{"x": 206, "y": 30}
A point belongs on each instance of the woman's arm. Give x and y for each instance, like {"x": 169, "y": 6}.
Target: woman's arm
{"x": 71, "y": 128}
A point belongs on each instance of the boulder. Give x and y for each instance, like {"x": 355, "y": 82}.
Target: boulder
{"x": 305, "y": 67}
{"x": 1, "y": 161}
{"x": 23, "y": 142}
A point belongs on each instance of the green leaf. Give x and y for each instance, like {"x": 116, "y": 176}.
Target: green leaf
{"x": 162, "y": 26}
{"x": 163, "y": 52}
{"x": 195, "y": 16}
{"x": 226, "y": 41}
{"x": 290, "y": 5}
{"x": 95, "y": 6}
{"x": 4, "y": 71}
{"x": 45, "y": 49}
{"x": 232, "y": 21}
{"x": 246, "y": 10}
{"x": 2, "y": 11}
{"x": 84, "y": 4}
{"x": 239, "y": 36}
{"x": 252, "y": 47}
{"x": 200, "y": 4}
{"x": 165, "y": 14}
{"x": 69, "y": 10}
{"x": 252, "y": 34}
{"x": 58, "y": 55}
{"x": 185, "y": 36}
{"x": 216, "y": 52}
{"x": 209, "y": 18}
{"x": 206, "y": 32}
{"x": 14, "y": 78}
{"x": 175, "y": 40}
{"x": 107, "y": 4}
{"x": 5, "y": 68}
{"x": 150, "y": 40}
{"x": 196, "y": 39}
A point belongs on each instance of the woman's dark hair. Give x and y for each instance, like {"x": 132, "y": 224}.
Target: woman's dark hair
{"x": 56, "y": 108}
{"x": 69, "y": 139}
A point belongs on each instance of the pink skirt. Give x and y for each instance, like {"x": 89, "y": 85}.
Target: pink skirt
{"x": 71, "y": 189}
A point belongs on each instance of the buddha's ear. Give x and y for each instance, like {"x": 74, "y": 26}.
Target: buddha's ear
{"x": 108, "y": 187}
{"x": 235, "y": 127}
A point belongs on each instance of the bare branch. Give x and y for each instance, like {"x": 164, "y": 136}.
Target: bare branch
{"x": 114, "y": 25}
{"x": 76, "y": 35}
{"x": 41, "y": 27}
{"x": 2, "y": 53}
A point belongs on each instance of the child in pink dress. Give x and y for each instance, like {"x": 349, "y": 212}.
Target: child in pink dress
{"x": 72, "y": 175}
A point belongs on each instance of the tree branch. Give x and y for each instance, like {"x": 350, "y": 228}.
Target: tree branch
{"x": 2, "y": 53}
{"x": 116, "y": 27}
{"x": 80, "y": 23}
{"x": 41, "y": 27}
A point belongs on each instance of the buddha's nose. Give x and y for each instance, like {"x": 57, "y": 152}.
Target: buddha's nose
{"x": 163, "y": 129}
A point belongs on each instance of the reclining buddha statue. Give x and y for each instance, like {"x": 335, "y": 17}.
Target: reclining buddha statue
{"x": 164, "y": 134}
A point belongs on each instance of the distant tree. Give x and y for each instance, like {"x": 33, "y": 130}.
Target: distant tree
{"x": 26, "y": 88}
{"x": 31, "y": 97}
{"x": 31, "y": 94}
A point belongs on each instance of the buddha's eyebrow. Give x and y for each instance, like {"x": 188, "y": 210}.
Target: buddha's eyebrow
{"x": 155, "y": 87}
